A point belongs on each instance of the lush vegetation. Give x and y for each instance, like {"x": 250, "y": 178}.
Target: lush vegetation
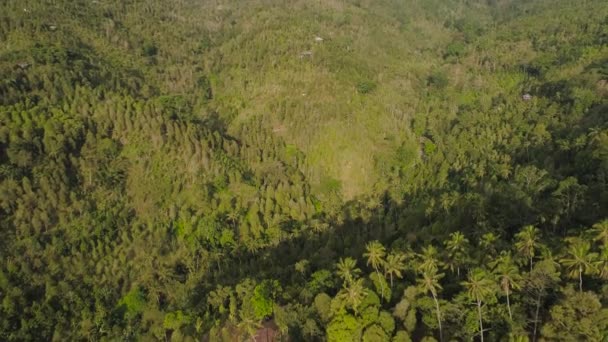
{"x": 337, "y": 170}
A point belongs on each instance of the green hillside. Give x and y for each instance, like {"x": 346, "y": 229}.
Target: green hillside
{"x": 336, "y": 170}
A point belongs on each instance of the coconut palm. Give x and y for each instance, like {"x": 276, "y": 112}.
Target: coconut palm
{"x": 352, "y": 294}
{"x": 527, "y": 243}
{"x": 480, "y": 287}
{"x": 602, "y": 263}
{"x": 456, "y": 247}
{"x": 429, "y": 258}
{"x": 233, "y": 216}
{"x": 394, "y": 265}
{"x": 600, "y": 230}
{"x": 508, "y": 276}
{"x": 249, "y": 327}
{"x": 347, "y": 269}
{"x": 429, "y": 283}
{"x": 375, "y": 254}
{"x": 318, "y": 227}
{"x": 488, "y": 242}
{"x": 579, "y": 260}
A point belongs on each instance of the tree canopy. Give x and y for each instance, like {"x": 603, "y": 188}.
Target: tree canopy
{"x": 339, "y": 170}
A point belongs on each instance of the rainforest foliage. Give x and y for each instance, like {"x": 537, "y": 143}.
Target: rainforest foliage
{"x": 335, "y": 170}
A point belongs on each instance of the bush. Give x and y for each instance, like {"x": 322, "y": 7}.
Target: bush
{"x": 454, "y": 49}
{"x": 150, "y": 49}
{"x": 437, "y": 79}
{"x": 366, "y": 86}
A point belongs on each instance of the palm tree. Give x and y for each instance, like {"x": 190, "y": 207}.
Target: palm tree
{"x": 252, "y": 247}
{"x": 579, "y": 260}
{"x": 318, "y": 226}
{"x": 603, "y": 263}
{"x": 394, "y": 265}
{"x": 527, "y": 242}
{"x": 480, "y": 286}
{"x": 429, "y": 283}
{"x": 600, "y": 230}
{"x": 249, "y": 327}
{"x": 233, "y": 216}
{"x": 302, "y": 267}
{"x": 457, "y": 250}
{"x": 429, "y": 258}
{"x": 487, "y": 242}
{"x": 544, "y": 276}
{"x": 508, "y": 276}
{"x": 375, "y": 254}
{"x": 352, "y": 294}
{"x": 347, "y": 269}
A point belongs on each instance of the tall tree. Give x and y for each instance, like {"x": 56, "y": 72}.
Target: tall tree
{"x": 248, "y": 327}
{"x": 347, "y": 269}
{"x": 602, "y": 263}
{"x": 488, "y": 246}
{"x": 508, "y": 276}
{"x": 457, "y": 248}
{"x": 429, "y": 283}
{"x": 352, "y": 294}
{"x": 600, "y": 230}
{"x": 375, "y": 253}
{"x": 480, "y": 286}
{"x": 527, "y": 243}
{"x": 576, "y": 316}
{"x": 302, "y": 267}
{"x": 579, "y": 260}
{"x": 394, "y": 265}
{"x": 543, "y": 278}
{"x": 429, "y": 258}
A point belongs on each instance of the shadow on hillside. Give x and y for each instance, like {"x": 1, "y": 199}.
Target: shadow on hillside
{"x": 495, "y": 205}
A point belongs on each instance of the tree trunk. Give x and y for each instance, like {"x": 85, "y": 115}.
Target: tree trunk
{"x": 381, "y": 283}
{"x": 536, "y": 317}
{"x": 391, "y": 281}
{"x": 480, "y": 319}
{"x": 580, "y": 278}
{"x": 438, "y": 317}
{"x": 509, "y": 304}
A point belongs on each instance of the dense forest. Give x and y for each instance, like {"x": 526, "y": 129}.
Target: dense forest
{"x": 333, "y": 170}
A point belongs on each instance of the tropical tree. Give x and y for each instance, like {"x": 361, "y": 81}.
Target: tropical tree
{"x": 579, "y": 260}
{"x": 318, "y": 226}
{"x": 543, "y": 278}
{"x": 527, "y": 243}
{"x": 487, "y": 244}
{"x": 394, "y": 265}
{"x": 248, "y": 326}
{"x": 347, "y": 269}
{"x": 429, "y": 283}
{"x": 508, "y": 276}
{"x": 375, "y": 253}
{"x": 302, "y": 267}
{"x": 577, "y": 316}
{"x": 600, "y": 230}
{"x": 429, "y": 258}
{"x": 457, "y": 248}
{"x": 352, "y": 294}
{"x": 602, "y": 263}
{"x": 233, "y": 216}
{"x": 480, "y": 286}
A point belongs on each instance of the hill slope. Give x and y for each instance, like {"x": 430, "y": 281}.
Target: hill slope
{"x": 166, "y": 166}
